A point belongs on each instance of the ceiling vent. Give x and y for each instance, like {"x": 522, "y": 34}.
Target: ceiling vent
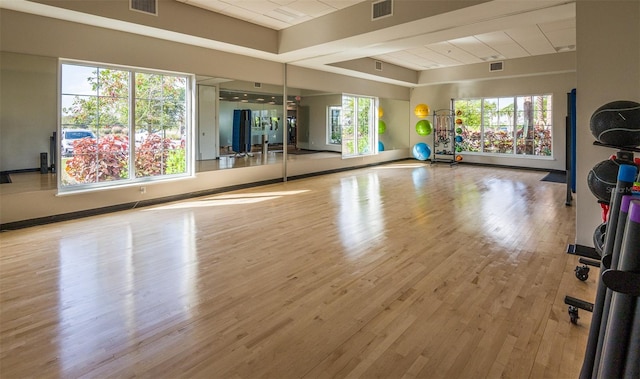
{"x": 378, "y": 66}
{"x": 496, "y": 66}
{"x": 144, "y": 6}
{"x": 257, "y": 85}
{"x": 381, "y": 9}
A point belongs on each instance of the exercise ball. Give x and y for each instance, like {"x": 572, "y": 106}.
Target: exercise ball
{"x": 458, "y": 158}
{"x": 424, "y": 127}
{"x": 421, "y": 110}
{"x": 421, "y": 151}
{"x": 617, "y": 123}
{"x": 380, "y": 112}
{"x": 382, "y": 127}
{"x": 380, "y": 146}
{"x": 602, "y": 179}
{"x": 458, "y": 121}
{"x": 459, "y": 139}
{"x": 459, "y": 130}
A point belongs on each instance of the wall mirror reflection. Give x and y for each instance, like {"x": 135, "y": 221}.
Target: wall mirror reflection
{"x": 240, "y": 124}
{"x": 342, "y": 125}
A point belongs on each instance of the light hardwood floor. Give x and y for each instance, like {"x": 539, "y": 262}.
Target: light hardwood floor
{"x": 406, "y": 270}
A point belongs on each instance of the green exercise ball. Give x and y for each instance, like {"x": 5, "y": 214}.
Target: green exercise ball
{"x": 382, "y": 127}
{"x": 424, "y": 127}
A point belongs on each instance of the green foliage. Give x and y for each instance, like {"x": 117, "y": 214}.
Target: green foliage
{"x": 177, "y": 162}
{"x": 336, "y": 136}
{"x": 357, "y": 110}
{"x": 152, "y": 156}
{"x": 109, "y": 106}
{"x": 470, "y": 113}
{"x": 349, "y": 147}
{"x": 160, "y": 102}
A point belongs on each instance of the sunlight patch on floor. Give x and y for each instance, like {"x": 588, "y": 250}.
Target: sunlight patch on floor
{"x": 229, "y": 199}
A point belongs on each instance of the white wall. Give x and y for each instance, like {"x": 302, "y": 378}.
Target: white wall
{"x": 28, "y": 117}
{"x": 439, "y": 96}
{"x": 308, "y": 79}
{"x": 174, "y": 16}
{"x": 608, "y": 40}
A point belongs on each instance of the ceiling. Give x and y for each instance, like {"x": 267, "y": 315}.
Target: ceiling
{"x": 274, "y": 14}
{"x": 340, "y": 36}
{"x": 536, "y": 36}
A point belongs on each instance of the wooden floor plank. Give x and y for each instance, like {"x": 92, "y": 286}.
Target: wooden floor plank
{"x": 405, "y": 270}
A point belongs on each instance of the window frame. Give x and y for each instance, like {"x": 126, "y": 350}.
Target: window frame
{"x": 514, "y": 120}
{"x": 132, "y": 180}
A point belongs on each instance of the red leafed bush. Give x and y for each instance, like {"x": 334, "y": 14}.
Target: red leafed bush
{"x": 99, "y": 161}
{"x": 152, "y": 156}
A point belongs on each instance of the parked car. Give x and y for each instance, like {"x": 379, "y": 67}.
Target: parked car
{"x": 68, "y": 136}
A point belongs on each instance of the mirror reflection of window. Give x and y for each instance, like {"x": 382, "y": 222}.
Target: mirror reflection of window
{"x": 334, "y": 128}
{"x": 359, "y": 125}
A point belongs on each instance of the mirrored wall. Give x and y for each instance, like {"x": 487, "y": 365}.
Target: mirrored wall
{"x": 241, "y": 124}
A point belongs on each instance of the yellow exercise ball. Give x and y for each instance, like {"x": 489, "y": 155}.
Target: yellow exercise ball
{"x": 421, "y": 110}
{"x": 380, "y": 112}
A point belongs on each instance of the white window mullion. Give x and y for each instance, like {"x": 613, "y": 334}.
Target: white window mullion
{"x": 482, "y": 125}
{"x": 514, "y": 132}
{"x": 132, "y": 125}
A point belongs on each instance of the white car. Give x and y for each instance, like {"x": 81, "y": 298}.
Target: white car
{"x": 70, "y": 135}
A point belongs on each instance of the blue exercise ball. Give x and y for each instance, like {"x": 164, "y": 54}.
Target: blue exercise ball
{"x": 421, "y": 151}
{"x": 459, "y": 139}
{"x": 380, "y": 146}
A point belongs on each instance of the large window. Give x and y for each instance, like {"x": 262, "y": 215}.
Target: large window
{"x": 120, "y": 126}
{"x": 359, "y": 131}
{"x": 518, "y": 125}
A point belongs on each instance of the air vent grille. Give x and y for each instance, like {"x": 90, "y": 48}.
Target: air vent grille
{"x": 257, "y": 85}
{"x": 145, "y": 6}
{"x": 378, "y": 66}
{"x": 495, "y": 66}
{"x": 381, "y": 9}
